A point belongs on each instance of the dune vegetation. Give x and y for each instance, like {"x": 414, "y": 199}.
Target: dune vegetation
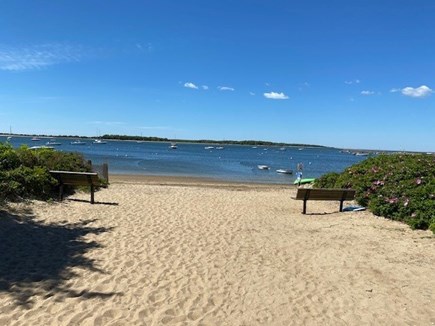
{"x": 24, "y": 173}
{"x": 400, "y": 187}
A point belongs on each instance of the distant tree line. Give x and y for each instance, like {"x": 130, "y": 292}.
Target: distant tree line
{"x": 206, "y": 141}
{"x": 160, "y": 139}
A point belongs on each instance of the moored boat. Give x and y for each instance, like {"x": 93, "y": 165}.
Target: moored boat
{"x": 284, "y": 171}
{"x": 78, "y": 142}
{"x": 99, "y": 141}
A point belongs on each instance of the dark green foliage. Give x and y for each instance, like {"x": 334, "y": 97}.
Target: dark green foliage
{"x": 400, "y": 187}
{"x": 205, "y": 141}
{"x": 327, "y": 180}
{"x": 24, "y": 172}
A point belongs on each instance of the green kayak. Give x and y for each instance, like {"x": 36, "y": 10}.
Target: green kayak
{"x": 303, "y": 181}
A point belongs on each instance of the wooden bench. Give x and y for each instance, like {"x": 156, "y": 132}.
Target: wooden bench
{"x": 76, "y": 179}
{"x": 324, "y": 194}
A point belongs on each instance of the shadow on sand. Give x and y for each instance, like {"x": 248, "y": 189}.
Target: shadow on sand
{"x": 95, "y": 203}
{"x": 36, "y": 258}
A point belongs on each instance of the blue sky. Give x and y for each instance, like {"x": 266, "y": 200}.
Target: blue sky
{"x": 354, "y": 74}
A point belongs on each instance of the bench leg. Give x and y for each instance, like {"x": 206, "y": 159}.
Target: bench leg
{"x": 61, "y": 192}
{"x": 341, "y": 205}
{"x": 92, "y": 194}
{"x": 304, "y": 211}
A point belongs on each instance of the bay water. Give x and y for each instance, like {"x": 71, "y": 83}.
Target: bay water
{"x": 229, "y": 163}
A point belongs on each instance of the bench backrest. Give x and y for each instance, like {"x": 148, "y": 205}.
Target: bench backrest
{"x": 325, "y": 194}
{"x": 76, "y": 178}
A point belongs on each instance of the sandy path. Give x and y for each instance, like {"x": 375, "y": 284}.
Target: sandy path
{"x": 215, "y": 254}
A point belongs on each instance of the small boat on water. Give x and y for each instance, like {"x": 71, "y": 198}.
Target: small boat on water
{"x": 284, "y": 171}
{"x": 263, "y": 167}
{"x": 208, "y": 147}
{"x": 99, "y": 141}
{"x": 173, "y": 146}
{"x": 52, "y": 143}
{"x": 42, "y": 147}
{"x": 219, "y": 147}
{"x": 35, "y": 139}
{"x": 361, "y": 154}
{"x": 78, "y": 142}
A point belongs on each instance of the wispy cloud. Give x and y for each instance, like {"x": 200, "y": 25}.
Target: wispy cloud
{"x": 190, "y": 85}
{"x": 418, "y": 92}
{"x": 367, "y": 93}
{"x": 37, "y": 56}
{"x": 145, "y": 47}
{"x": 252, "y": 93}
{"x": 225, "y": 88}
{"x": 275, "y": 96}
{"x": 350, "y": 82}
{"x": 204, "y": 87}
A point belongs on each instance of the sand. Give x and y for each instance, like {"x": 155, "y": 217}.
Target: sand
{"x": 175, "y": 251}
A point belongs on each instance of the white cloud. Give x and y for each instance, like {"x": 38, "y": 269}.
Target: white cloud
{"x": 225, "y": 88}
{"x": 204, "y": 87}
{"x": 144, "y": 48}
{"x": 367, "y": 93}
{"x": 395, "y": 90}
{"x": 276, "y": 96}
{"x": 421, "y": 91}
{"x": 252, "y": 93}
{"x": 190, "y": 85}
{"x": 37, "y": 56}
{"x": 350, "y": 82}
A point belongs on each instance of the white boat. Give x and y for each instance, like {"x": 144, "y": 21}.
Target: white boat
{"x": 173, "y": 146}
{"x": 283, "y": 149}
{"x": 361, "y": 154}
{"x": 99, "y": 141}
{"x": 8, "y": 138}
{"x": 42, "y": 147}
{"x": 219, "y": 147}
{"x": 35, "y": 139}
{"x": 263, "y": 167}
{"x": 78, "y": 142}
{"x": 53, "y": 143}
{"x": 284, "y": 171}
{"x": 208, "y": 147}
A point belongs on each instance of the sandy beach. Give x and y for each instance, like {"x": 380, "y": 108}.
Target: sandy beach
{"x": 176, "y": 251}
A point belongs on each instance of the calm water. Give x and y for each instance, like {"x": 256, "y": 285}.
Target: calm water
{"x": 234, "y": 162}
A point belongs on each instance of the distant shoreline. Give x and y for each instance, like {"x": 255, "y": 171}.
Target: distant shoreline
{"x": 158, "y": 139}
{"x": 214, "y": 142}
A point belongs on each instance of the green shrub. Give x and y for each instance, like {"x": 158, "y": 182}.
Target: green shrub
{"x": 400, "y": 187}
{"x": 24, "y": 173}
{"x": 432, "y": 225}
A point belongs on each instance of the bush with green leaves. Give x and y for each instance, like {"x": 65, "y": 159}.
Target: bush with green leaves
{"x": 400, "y": 187}
{"x": 24, "y": 173}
